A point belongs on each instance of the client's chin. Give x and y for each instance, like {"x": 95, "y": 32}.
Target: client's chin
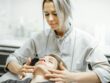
{"x": 41, "y": 70}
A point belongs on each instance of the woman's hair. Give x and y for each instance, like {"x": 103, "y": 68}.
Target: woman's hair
{"x": 44, "y": 1}
{"x": 63, "y": 9}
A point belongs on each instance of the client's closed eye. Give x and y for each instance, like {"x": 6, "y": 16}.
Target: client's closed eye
{"x": 51, "y": 61}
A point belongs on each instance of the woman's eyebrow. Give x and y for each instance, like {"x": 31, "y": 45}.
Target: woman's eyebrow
{"x": 53, "y": 11}
{"x": 45, "y": 11}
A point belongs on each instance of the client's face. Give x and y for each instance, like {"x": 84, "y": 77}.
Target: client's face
{"x": 47, "y": 62}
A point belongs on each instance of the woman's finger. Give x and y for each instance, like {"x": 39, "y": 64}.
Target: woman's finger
{"x": 56, "y": 71}
{"x": 28, "y": 67}
{"x": 62, "y": 66}
{"x": 27, "y": 70}
{"x": 28, "y": 61}
{"x": 56, "y": 79}
{"x": 22, "y": 75}
{"x": 53, "y": 76}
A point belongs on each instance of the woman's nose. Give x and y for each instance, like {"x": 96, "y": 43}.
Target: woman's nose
{"x": 51, "y": 18}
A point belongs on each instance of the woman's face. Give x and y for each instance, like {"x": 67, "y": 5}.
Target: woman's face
{"x": 48, "y": 62}
{"x": 51, "y": 15}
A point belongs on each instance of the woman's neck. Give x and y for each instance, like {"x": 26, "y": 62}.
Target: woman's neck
{"x": 59, "y": 33}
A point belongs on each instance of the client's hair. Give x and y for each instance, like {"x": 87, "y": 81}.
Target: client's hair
{"x": 58, "y": 59}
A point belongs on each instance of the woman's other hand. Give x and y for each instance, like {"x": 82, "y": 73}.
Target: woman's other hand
{"x": 26, "y": 68}
{"x": 60, "y": 76}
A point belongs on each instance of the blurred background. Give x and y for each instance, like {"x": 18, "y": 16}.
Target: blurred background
{"x": 20, "y": 19}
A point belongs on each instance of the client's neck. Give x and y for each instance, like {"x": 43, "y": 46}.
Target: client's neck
{"x": 39, "y": 76}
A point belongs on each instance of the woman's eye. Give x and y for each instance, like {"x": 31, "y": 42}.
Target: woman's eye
{"x": 55, "y": 14}
{"x": 46, "y": 14}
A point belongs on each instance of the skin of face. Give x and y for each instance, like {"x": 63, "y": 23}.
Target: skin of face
{"x": 51, "y": 15}
{"x": 47, "y": 62}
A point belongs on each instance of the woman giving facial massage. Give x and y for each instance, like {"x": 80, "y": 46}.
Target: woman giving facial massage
{"x": 76, "y": 48}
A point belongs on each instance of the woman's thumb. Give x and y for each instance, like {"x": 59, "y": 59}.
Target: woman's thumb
{"x": 28, "y": 61}
{"x": 61, "y": 66}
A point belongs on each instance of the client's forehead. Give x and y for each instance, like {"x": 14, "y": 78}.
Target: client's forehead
{"x": 50, "y": 57}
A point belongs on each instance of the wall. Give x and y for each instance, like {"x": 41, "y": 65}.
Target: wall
{"x": 22, "y": 18}
{"x": 93, "y": 16}
{"x": 19, "y": 18}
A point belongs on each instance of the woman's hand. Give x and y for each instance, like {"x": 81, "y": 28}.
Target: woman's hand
{"x": 60, "y": 76}
{"x": 26, "y": 68}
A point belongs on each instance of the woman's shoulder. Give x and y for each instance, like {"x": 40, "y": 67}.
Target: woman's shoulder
{"x": 86, "y": 38}
{"x": 42, "y": 33}
{"x": 83, "y": 33}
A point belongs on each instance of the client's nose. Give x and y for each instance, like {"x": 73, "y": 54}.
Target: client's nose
{"x": 42, "y": 59}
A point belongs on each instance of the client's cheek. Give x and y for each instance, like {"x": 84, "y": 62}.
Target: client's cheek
{"x": 50, "y": 66}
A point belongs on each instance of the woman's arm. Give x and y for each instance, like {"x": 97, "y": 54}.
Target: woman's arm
{"x": 65, "y": 76}
{"x": 15, "y": 62}
{"x": 21, "y": 70}
{"x": 80, "y": 77}
{"x": 14, "y": 67}
{"x": 85, "y": 77}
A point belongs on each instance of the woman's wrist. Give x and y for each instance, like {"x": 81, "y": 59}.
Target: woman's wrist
{"x": 18, "y": 69}
{"x": 73, "y": 77}
{"x": 14, "y": 67}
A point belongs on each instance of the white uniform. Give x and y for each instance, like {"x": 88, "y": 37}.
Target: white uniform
{"x": 76, "y": 48}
